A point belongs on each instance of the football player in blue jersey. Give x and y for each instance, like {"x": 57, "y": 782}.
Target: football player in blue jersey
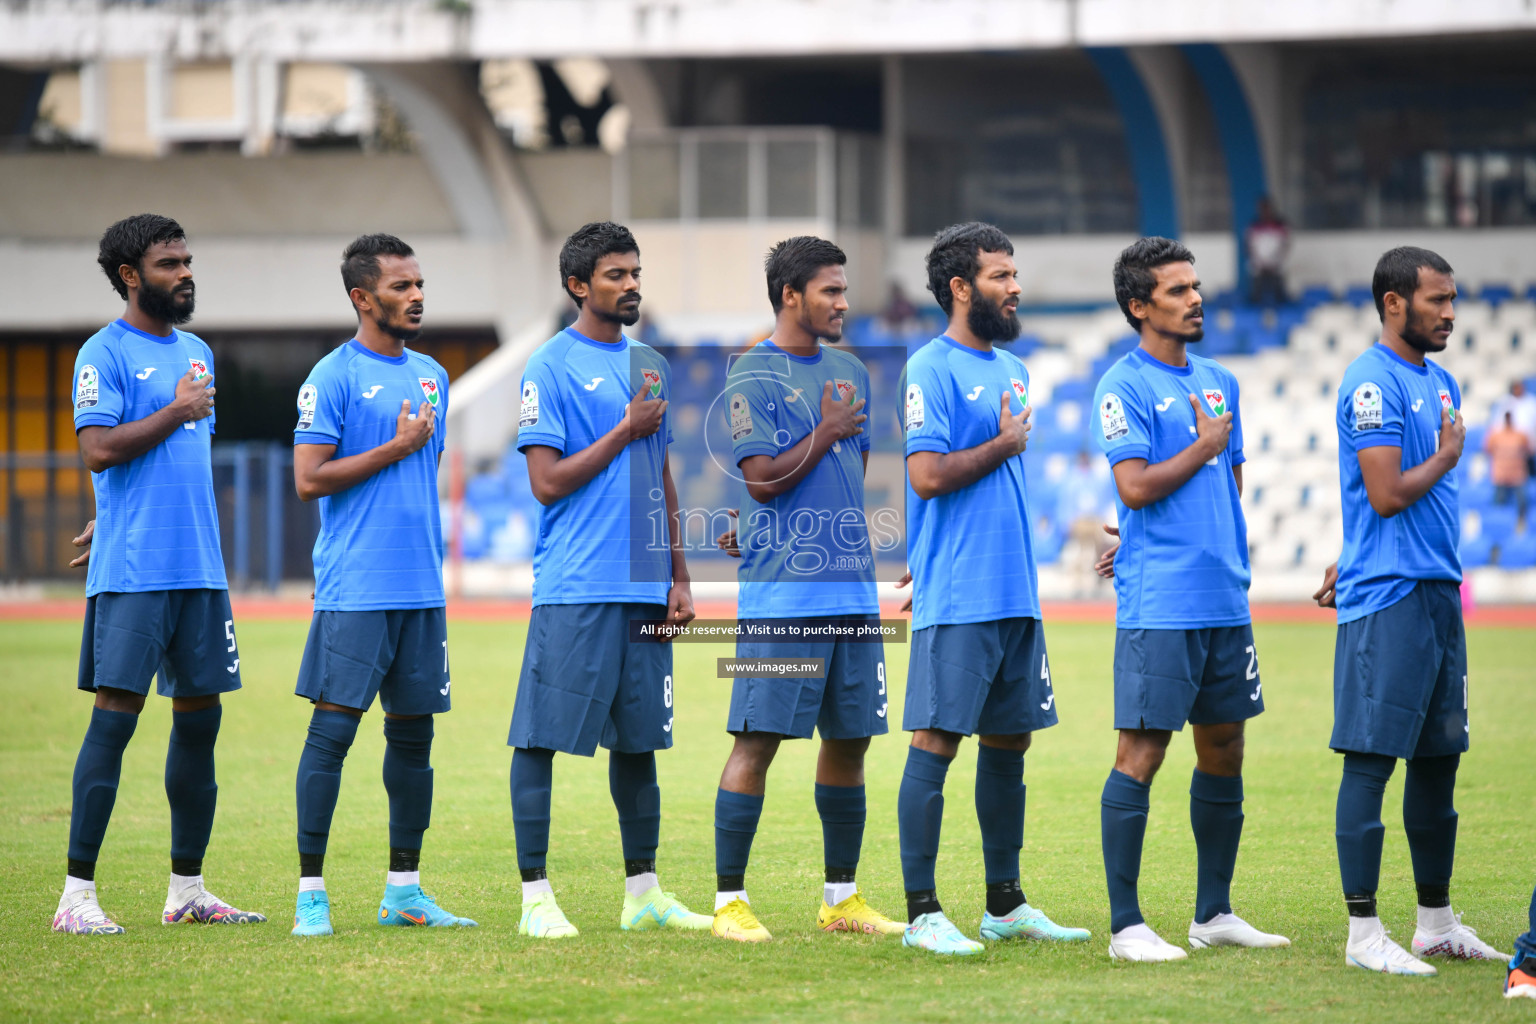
{"x": 1520, "y": 979}
{"x": 608, "y": 570}
{"x": 1170, "y": 425}
{"x": 156, "y": 596}
{"x": 794, "y": 408}
{"x": 367, "y": 446}
{"x": 1400, "y": 661}
{"x": 978, "y": 662}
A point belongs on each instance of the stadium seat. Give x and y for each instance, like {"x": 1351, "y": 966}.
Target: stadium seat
{"x": 1519, "y": 550}
{"x": 1494, "y": 294}
{"x": 1498, "y": 522}
{"x": 1359, "y": 295}
{"x": 1476, "y": 552}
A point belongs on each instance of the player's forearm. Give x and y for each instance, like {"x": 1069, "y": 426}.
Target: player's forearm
{"x": 336, "y": 475}
{"x": 105, "y": 447}
{"x": 768, "y": 478}
{"x": 566, "y": 476}
{"x": 951, "y": 471}
{"x": 1141, "y": 486}
{"x": 1394, "y": 494}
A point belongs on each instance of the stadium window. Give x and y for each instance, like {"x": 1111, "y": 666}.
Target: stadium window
{"x": 722, "y": 179}
{"x": 791, "y": 178}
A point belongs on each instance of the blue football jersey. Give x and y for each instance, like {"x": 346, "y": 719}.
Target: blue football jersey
{"x": 157, "y": 523}
{"x": 1385, "y": 400}
{"x": 971, "y": 552}
{"x": 607, "y": 541}
{"x": 806, "y": 552}
{"x": 381, "y": 540}
{"x": 1183, "y": 561}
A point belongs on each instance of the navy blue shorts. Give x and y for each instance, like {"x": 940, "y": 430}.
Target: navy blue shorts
{"x": 1166, "y": 677}
{"x": 399, "y": 656}
{"x": 584, "y": 682}
{"x": 188, "y": 636}
{"x": 990, "y": 678}
{"x": 1400, "y": 677}
{"x": 848, "y": 703}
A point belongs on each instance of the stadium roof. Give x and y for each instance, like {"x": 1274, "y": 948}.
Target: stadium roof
{"x": 53, "y": 31}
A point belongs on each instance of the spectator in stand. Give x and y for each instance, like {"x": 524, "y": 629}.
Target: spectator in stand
{"x": 1520, "y": 404}
{"x": 1268, "y": 243}
{"x": 1509, "y": 452}
{"x": 900, "y": 315}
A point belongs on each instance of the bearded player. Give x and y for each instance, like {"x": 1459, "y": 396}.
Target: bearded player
{"x": 1169, "y": 424}
{"x": 978, "y": 662}
{"x": 794, "y": 407}
{"x": 594, "y": 427}
{"x": 1400, "y": 658}
{"x": 156, "y": 595}
{"x": 367, "y": 445}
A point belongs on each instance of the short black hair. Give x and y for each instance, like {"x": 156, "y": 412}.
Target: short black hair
{"x": 1133, "y": 270}
{"x": 128, "y": 240}
{"x": 795, "y": 261}
{"x": 588, "y": 244}
{"x": 1398, "y": 271}
{"x": 956, "y": 252}
{"x": 360, "y": 261}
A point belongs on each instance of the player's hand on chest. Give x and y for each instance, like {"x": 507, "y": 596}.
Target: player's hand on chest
{"x": 979, "y": 400}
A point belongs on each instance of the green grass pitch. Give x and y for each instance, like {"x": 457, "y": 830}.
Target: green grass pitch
{"x": 1287, "y": 877}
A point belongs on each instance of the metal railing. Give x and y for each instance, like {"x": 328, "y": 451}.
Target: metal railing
{"x": 266, "y": 533}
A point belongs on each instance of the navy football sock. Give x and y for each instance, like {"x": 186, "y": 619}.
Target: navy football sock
{"x": 842, "y": 810}
{"x": 1216, "y": 814}
{"x": 736, "y": 817}
{"x": 319, "y": 781}
{"x": 1429, "y": 818}
{"x": 94, "y": 789}
{"x": 1525, "y": 945}
{"x": 408, "y": 779}
{"x": 189, "y": 781}
{"x": 920, "y": 817}
{"x": 1000, "y": 810}
{"x": 1123, "y": 826}
{"x": 1358, "y": 831}
{"x": 637, "y": 798}
{"x": 532, "y": 776}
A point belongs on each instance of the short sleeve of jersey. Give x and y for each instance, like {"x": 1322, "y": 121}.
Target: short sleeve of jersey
{"x": 1121, "y": 425}
{"x": 98, "y": 387}
{"x": 926, "y": 408}
{"x": 749, "y": 418}
{"x": 539, "y": 419}
{"x": 322, "y": 405}
{"x": 1235, "y": 440}
{"x": 1375, "y": 413}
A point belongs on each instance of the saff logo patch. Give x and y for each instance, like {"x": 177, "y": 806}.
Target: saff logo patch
{"x": 430, "y": 389}
{"x": 1368, "y": 406}
{"x": 529, "y": 414}
{"x": 308, "y": 398}
{"x": 87, "y": 387}
{"x": 914, "y": 407}
{"x": 741, "y": 417}
{"x": 1112, "y": 421}
{"x": 199, "y": 369}
{"x": 1216, "y": 400}
{"x": 652, "y": 382}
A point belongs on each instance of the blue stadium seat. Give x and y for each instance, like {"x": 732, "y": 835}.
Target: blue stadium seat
{"x": 1494, "y": 294}
{"x": 1499, "y": 522}
{"x": 1478, "y": 495}
{"x": 1078, "y": 389}
{"x": 1316, "y": 295}
{"x": 1359, "y": 295}
{"x": 1519, "y": 551}
{"x": 1476, "y": 553}
{"x": 1475, "y": 437}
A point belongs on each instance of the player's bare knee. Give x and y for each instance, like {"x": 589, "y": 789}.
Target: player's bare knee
{"x": 110, "y": 698}
{"x": 1012, "y": 741}
{"x": 193, "y": 703}
{"x": 1219, "y": 749}
{"x": 937, "y": 741}
{"x": 1141, "y": 753}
